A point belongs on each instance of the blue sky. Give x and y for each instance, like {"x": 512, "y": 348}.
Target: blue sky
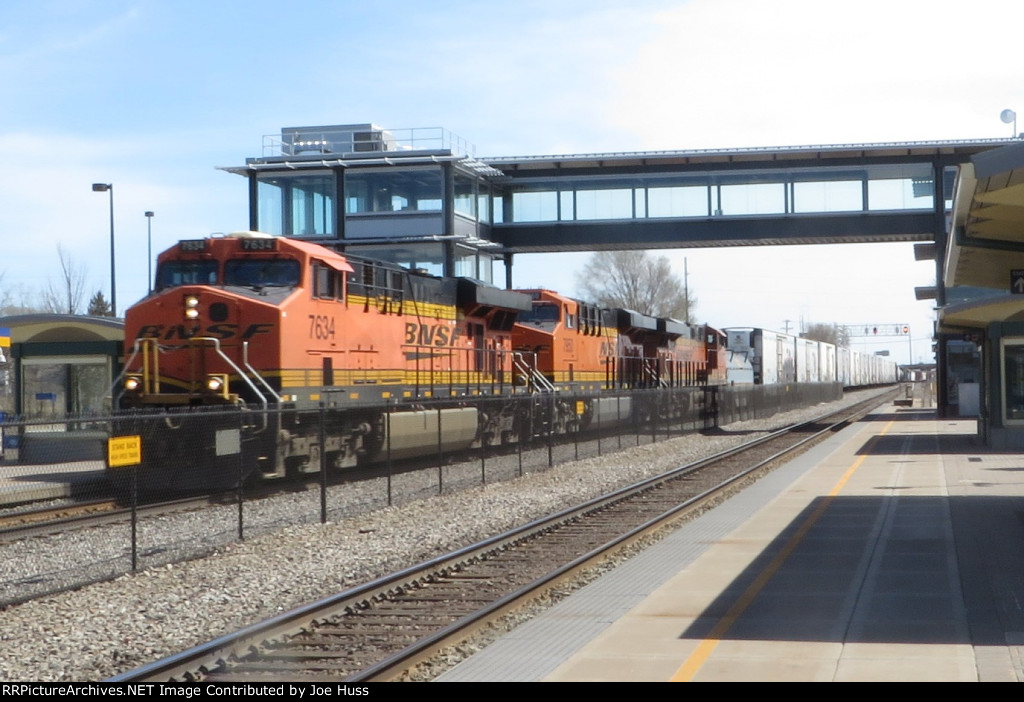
{"x": 153, "y": 95}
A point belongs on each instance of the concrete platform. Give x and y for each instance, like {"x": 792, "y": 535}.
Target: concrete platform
{"x": 20, "y": 483}
{"x": 892, "y": 551}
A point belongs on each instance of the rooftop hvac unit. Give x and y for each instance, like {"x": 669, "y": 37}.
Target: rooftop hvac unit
{"x": 340, "y": 139}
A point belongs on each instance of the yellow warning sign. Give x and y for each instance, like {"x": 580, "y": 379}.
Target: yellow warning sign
{"x": 124, "y": 451}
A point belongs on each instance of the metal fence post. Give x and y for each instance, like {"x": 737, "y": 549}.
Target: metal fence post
{"x": 241, "y": 477}
{"x": 551, "y": 431}
{"x": 387, "y": 426}
{"x": 135, "y": 517}
{"x": 322, "y": 430}
{"x": 440, "y": 456}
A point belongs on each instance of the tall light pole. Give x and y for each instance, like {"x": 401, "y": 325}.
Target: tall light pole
{"x": 109, "y": 188}
{"x": 149, "y": 248}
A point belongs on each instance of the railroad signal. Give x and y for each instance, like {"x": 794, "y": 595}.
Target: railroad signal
{"x": 880, "y": 330}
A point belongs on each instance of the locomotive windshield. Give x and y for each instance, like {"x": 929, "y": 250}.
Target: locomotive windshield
{"x": 174, "y": 273}
{"x": 540, "y": 313}
{"x": 261, "y": 273}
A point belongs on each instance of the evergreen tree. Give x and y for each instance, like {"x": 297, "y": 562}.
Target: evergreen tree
{"x": 98, "y": 306}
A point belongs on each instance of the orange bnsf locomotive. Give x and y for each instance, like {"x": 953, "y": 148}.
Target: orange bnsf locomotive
{"x": 581, "y": 347}
{"x": 332, "y": 358}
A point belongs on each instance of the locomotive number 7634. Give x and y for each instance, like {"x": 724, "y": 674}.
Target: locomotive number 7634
{"x": 321, "y": 326}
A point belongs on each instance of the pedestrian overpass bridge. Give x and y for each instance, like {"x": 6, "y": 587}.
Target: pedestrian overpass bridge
{"x": 730, "y": 197}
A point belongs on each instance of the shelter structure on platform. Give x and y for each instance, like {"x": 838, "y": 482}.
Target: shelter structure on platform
{"x": 57, "y": 364}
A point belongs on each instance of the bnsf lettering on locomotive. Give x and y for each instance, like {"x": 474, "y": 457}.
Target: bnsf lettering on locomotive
{"x": 218, "y": 331}
{"x": 221, "y": 331}
{"x": 180, "y": 332}
{"x": 254, "y": 329}
{"x": 149, "y": 330}
{"x": 429, "y": 334}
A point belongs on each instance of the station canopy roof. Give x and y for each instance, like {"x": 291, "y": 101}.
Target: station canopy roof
{"x": 987, "y": 240}
{"x": 988, "y": 220}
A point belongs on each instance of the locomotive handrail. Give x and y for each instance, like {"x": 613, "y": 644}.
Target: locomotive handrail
{"x": 650, "y": 370}
{"x": 533, "y": 375}
{"x": 241, "y": 373}
{"x": 263, "y": 381}
{"x": 117, "y": 388}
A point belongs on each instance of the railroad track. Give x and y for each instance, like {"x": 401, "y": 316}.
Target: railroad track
{"x": 59, "y": 520}
{"x": 15, "y": 521}
{"x": 384, "y": 629}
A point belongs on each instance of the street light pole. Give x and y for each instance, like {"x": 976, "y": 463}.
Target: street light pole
{"x": 109, "y": 188}
{"x": 149, "y": 248}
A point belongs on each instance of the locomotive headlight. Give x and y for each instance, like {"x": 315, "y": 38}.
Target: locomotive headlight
{"x": 191, "y": 307}
{"x": 216, "y": 383}
{"x": 132, "y": 383}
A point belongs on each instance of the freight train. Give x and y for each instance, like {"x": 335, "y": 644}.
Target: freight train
{"x": 273, "y": 356}
{"x": 323, "y": 357}
{"x": 766, "y": 357}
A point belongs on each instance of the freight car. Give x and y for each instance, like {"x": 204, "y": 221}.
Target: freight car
{"x": 766, "y": 357}
{"x": 324, "y": 358}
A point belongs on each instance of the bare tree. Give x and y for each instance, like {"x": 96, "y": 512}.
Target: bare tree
{"x": 831, "y": 333}
{"x": 638, "y": 281}
{"x": 17, "y": 298}
{"x": 66, "y": 296}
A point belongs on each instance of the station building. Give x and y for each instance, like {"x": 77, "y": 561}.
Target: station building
{"x": 984, "y": 278}
{"x": 415, "y": 197}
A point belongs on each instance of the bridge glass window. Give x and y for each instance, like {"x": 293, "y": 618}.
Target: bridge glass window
{"x": 610, "y": 203}
{"x": 899, "y": 194}
{"x": 296, "y": 205}
{"x": 567, "y": 205}
{"x": 828, "y": 196}
{"x": 537, "y": 206}
{"x": 678, "y": 201}
{"x": 753, "y": 199}
{"x": 378, "y": 190}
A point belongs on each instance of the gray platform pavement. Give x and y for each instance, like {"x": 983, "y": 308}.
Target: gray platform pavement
{"x": 892, "y": 551}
